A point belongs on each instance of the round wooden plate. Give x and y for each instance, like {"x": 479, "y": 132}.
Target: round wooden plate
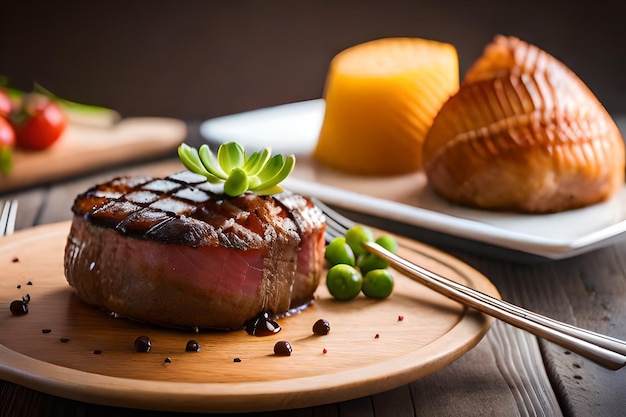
{"x": 65, "y": 348}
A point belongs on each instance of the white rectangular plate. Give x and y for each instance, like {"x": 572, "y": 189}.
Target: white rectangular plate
{"x": 294, "y": 128}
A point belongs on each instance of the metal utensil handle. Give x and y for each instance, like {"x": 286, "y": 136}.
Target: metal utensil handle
{"x": 559, "y": 333}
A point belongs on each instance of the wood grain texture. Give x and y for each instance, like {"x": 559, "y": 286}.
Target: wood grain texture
{"x": 590, "y": 290}
{"x": 86, "y": 149}
{"x": 587, "y": 291}
{"x": 369, "y": 349}
{"x": 519, "y": 360}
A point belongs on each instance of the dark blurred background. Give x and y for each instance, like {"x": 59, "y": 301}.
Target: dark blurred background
{"x": 199, "y": 59}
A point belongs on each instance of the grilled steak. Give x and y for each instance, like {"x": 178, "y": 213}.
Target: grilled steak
{"x": 175, "y": 252}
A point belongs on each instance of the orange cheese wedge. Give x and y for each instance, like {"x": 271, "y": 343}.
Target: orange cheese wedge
{"x": 381, "y": 99}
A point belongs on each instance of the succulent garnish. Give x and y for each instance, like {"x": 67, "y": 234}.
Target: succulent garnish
{"x": 259, "y": 172}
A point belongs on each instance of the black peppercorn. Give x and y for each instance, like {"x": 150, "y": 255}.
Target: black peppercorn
{"x": 192, "y": 346}
{"x": 282, "y": 348}
{"x": 321, "y": 327}
{"x": 18, "y": 307}
{"x": 143, "y": 344}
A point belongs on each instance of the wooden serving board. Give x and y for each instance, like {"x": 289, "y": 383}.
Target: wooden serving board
{"x": 65, "y": 348}
{"x": 84, "y": 149}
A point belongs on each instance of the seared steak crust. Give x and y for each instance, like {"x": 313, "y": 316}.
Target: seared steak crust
{"x": 176, "y": 252}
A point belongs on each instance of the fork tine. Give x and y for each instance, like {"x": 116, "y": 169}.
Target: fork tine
{"x": 8, "y": 217}
{"x": 12, "y": 218}
{"x": 336, "y": 223}
{"x": 606, "y": 351}
{"x": 4, "y": 217}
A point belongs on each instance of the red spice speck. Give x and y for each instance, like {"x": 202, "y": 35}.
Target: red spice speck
{"x": 324, "y": 351}
{"x": 400, "y": 318}
{"x": 377, "y": 336}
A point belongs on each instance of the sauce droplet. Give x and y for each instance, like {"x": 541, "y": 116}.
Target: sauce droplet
{"x": 262, "y": 325}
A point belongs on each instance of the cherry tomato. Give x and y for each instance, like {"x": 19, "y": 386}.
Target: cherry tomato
{"x": 5, "y": 103}
{"x": 39, "y": 122}
{"x": 7, "y": 143}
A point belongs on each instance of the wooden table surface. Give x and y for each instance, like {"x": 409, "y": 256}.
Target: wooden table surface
{"x": 509, "y": 373}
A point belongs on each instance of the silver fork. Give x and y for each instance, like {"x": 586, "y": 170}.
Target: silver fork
{"x": 606, "y": 351}
{"x": 7, "y": 217}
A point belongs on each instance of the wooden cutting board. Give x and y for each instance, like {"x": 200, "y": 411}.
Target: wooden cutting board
{"x": 84, "y": 149}
{"x": 65, "y": 348}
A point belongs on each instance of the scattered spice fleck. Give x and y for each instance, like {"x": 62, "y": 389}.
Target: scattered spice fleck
{"x": 19, "y": 286}
{"x": 237, "y": 360}
{"x": 15, "y": 259}
{"x": 167, "y": 360}
{"x": 29, "y": 283}
{"x": 377, "y": 336}
{"x": 64, "y": 340}
{"x": 400, "y": 318}
{"x": 97, "y": 352}
{"x": 324, "y": 351}
{"x": 46, "y": 331}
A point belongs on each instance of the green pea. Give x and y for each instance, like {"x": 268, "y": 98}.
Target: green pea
{"x": 356, "y": 236}
{"x": 378, "y": 283}
{"x": 339, "y": 252}
{"x": 369, "y": 262}
{"x": 344, "y": 282}
{"x": 388, "y": 243}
